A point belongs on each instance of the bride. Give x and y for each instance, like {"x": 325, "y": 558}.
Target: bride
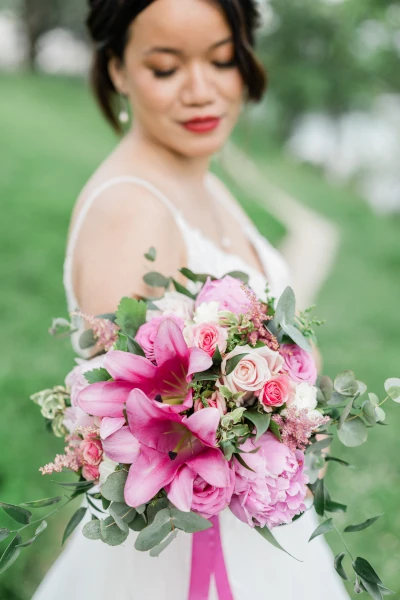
{"x": 184, "y": 68}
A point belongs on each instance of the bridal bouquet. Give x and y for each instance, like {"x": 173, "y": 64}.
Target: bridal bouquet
{"x": 195, "y": 403}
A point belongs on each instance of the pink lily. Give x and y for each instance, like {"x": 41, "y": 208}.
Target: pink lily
{"x": 176, "y": 365}
{"x": 168, "y": 441}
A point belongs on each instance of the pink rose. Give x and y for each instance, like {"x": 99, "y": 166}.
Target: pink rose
{"x": 209, "y": 500}
{"x": 228, "y": 292}
{"x": 147, "y": 333}
{"x": 253, "y": 371}
{"x": 275, "y": 392}
{"x": 273, "y": 492}
{"x": 92, "y": 451}
{"x": 90, "y": 472}
{"x": 299, "y": 364}
{"x": 76, "y": 380}
{"x": 215, "y": 401}
{"x": 207, "y": 336}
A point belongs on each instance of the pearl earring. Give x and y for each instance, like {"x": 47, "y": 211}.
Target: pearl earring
{"x": 123, "y": 113}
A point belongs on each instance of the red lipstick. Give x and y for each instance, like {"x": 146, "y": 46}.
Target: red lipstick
{"x": 202, "y": 124}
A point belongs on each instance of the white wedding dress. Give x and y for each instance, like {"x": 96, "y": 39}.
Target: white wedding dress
{"x": 91, "y": 570}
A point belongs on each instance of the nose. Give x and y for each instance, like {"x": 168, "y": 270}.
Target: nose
{"x": 198, "y": 88}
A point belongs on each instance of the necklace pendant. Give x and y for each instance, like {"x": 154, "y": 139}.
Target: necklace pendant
{"x": 226, "y": 242}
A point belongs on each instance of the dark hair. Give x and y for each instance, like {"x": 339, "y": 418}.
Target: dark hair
{"x": 109, "y": 21}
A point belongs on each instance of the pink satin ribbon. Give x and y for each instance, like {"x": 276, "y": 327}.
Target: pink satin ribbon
{"x": 208, "y": 558}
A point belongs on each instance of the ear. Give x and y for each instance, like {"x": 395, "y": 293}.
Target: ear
{"x": 116, "y": 70}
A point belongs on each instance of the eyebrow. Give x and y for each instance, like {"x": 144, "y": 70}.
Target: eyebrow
{"x": 177, "y": 52}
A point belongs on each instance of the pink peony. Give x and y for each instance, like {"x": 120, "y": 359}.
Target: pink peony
{"x": 275, "y": 392}
{"x": 299, "y": 364}
{"x": 274, "y": 493}
{"x": 147, "y": 333}
{"x": 90, "y": 472}
{"x": 205, "y": 498}
{"x": 215, "y": 401}
{"x": 207, "y": 336}
{"x": 92, "y": 451}
{"x": 76, "y": 380}
{"x": 228, "y": 292}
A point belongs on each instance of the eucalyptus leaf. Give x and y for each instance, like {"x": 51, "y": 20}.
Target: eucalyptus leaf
{"x": 380, "y": 414}
{"x": 155, "y": 552}
{"x": 345, "y": 383}
{"x": 97, "y": 375}
{"x": 362, "y": 388}
{"x": 233, "y": 362}
{"x": 42, "y": 503}
{"x": 131, "y": 314}
{"x": 239, "y": 275}
{"x": 156, "y": 532}
{"x": 286, "y": 307}
{"x": 313, "y": 465}
{"x": 322, "y": 529}
{"x": 182, "y": 290}
{"x": 114, "y": 486}
{"x": 362, "y": 526}
{"x": 16, "y": 513}
{"x": 353, "y": 433}
{"x": 365, "y": 571}
{"x": 339, "y": 566}
{"x": 87, "y": 339}
{"x": 260, "y": 420}
{"x": 73, "y": 523}
{"x": 297, "y": 337}
{"x": 4, "y": 533}
{"x": 91, "y": 530}
{"x": 111, "y": 534}
{"x": 392, "y": 387}
{"x": 138, "y": 523}
{"x": 156, "y": 506}
{"x": 326, "y": 387}
{"x": 10, "y": 554}
{"x": 156, "y": 280}
{"x": 151, "y": 255}
{"x": 122, "y": 514}
{"x": 189, "y": 522}
{"x": 320, "y": 445}
{"x": 267, "y": 535}
{"x": 39, "y": 530}
{"x": 196, "y": 277}
{"x": 373, "y": 589}
{"x": 373, "y": 398}
{"x": 368, "y": 411}
{"x": 345, "y": 413}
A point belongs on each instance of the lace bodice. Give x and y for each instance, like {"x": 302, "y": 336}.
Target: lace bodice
{"x": 203, "y": 255}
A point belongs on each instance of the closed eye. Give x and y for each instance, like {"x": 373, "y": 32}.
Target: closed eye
{"x": 220, "y": 65}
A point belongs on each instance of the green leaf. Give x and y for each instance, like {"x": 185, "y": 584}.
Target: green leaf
{"x": 319, "y": 497}
{"x": 362, "y": 526}
{"x": 373, "y": 589}
{"x": 42, "y": 503}
{"x": 274, "y": 427}
{"x": 243, "y": 462}
{"x": 111, "y": 534}
{"x": 4, "y": 533}
{"x": 92, "y": 531}
{"x": 260, "y": 420}
{"x": 325, "y": 527}
{"x": 239, "y": 275}
{"x": 334, "y": 507}
{"x": 318, "y": 446}
{"x": 156, "y": 506}
{"x": 233, "y": 362}
{"x": 75, "y": 484}
{"x": 190, "y": 522}
{"x": 373, "y": 398}
{"x": 286, "y": 307}
{"x": 182, "y": 290}
{"x": 353, "y": 433}
{"x": 206, "y": 376}
{"x": 97, "y": 375}
{"x": 156, "y": 280}
{"x": 326, "y": 387}
{"x": 339, "y": 567}
{"x": 392, "y": 387}
{"x": 122, "y": 514}
{"x": 217, "y": 358}
{"x": 39, "y": 530}
{"x": 17, "y": 514}
{"x": 138, "y": 523}
{"x": 10, "y": 554}
{"x": 196, "y": 277}
{"x": 229, "y": 449}
{"x": 154, "y": 552}
{"x": 151, "y": 255}
{"x": 345, "y": 384}
{"x": 113, "y": 488}
{"x": 87, "y": 339}
{"x": 156, "y": 532}
{"x": 368, "y": 411}
{"x": 73, "y": 523}
{"x": 297, "y": 337}
{"x": 131, "y": 314}
{"x": 135, "y": 348}
{"x": 267, "y": 535}
{"x": 345, "y": 413}
{"x": 365, "y": 571}
{"x": 338, "y": 460}
{"x": 380, "y": 414}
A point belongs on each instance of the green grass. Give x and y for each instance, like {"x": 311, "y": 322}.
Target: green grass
{"x": 51, "y": 141}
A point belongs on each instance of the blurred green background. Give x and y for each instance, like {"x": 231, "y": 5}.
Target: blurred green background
{"x": 51, "y": 140}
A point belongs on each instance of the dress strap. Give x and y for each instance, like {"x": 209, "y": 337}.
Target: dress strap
{"x": 96, "y": 193}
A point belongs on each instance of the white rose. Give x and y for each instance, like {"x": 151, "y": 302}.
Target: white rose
{"x": 305, "y": 397}
{"x": 106, "y": 468}
{"x": 177, "y": 304}
{"x": 207, "y": 312}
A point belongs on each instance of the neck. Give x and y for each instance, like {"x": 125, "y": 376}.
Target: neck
{"x": 190, "y": 170}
